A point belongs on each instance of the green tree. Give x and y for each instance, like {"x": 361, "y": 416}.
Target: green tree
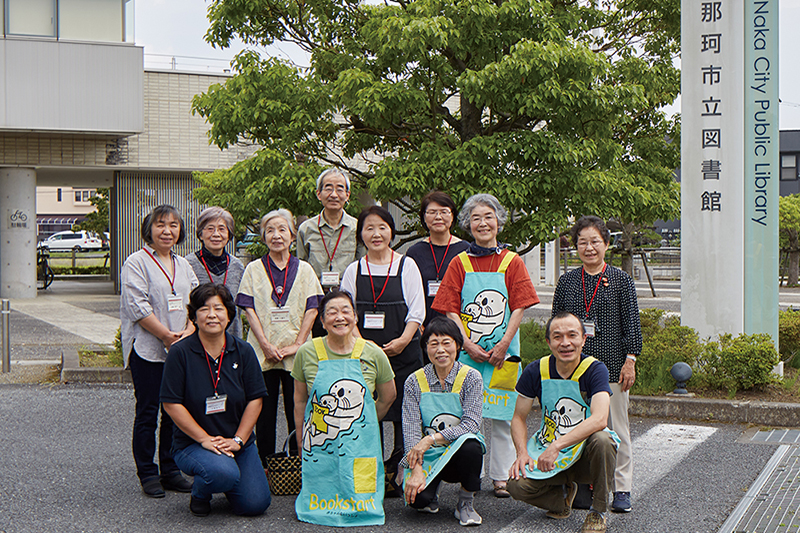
{"x": 553, "y": 106}
{"x": 97, "y": 221}
{"x": 789, "y": 227}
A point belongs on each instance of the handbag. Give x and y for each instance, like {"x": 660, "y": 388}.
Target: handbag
{"x": 283, "y": 471}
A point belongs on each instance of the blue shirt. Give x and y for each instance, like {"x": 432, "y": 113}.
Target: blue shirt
{"x": 594, "y": 380}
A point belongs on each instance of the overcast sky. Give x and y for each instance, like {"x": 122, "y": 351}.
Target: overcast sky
{"x": 175, "y": 28}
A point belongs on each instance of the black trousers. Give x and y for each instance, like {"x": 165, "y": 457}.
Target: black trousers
{"x": 146, "y": 378}
{"x": 464, "y": 467}
{"x": 267, "y": 422}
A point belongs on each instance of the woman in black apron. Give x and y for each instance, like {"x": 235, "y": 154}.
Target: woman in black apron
{"x": 390, "y": 303}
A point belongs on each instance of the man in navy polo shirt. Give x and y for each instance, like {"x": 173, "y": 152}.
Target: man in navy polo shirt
{"x": 572, "y": 444}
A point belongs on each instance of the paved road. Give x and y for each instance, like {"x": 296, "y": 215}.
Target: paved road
{"x": 65, "y": 466}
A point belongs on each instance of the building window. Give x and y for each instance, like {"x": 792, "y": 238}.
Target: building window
{"x": 82, "y": 195}
{"x": 58, "y": 194}
{"x": 788, "y": 167}
{"x": 31, "y": 17}
{"x": 76, "y": 20}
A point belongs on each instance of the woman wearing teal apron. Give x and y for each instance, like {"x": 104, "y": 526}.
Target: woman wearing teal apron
{"x": 442, "y": 407}
{"x": 336, "y": 377}
{"x": 486, "y": 291}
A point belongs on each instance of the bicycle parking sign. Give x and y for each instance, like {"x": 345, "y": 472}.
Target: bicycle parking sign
{"x": 17, "y": 219}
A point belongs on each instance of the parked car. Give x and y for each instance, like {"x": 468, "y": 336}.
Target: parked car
{"x": 72, "y": 240}
{"x": 247, "y": 240}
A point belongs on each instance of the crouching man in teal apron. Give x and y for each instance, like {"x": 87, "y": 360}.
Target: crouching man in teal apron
{"x": 572, "y": 444}
{"x": 342, "y": 466}
{"x": 442, "y": 406}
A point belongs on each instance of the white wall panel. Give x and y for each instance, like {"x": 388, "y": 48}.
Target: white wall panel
{"x": 73, "y": 87}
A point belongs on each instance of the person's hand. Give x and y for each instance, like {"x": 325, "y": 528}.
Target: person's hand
{"x": 627, "y": 376}
{"x": 416, "y": 453}
{"x": 517, "y": 469}
{"x": 395, "y": 347}
{"x": 497, "y": 355}
{"x": 547, "y": 461}
{"x": 170, "y": 338}
{"x": 226, "y": 446}
{"x": 288, "y": 351}
{"x": 478, "y": 354}
{"x": 415, "y": 484}
{"x": 270, "y": 352}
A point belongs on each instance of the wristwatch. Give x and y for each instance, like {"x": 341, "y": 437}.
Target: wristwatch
{"x": 238, "y": 440}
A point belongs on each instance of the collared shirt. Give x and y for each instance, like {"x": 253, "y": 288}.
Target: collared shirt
{"x": 614, "y": 310}
{"x": 471, "y": 403}
{"x": 310, "y": 247}
{"x": 145, "y": 291}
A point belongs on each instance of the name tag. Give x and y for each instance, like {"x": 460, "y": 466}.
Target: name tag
{"x": 175, "y": 303}
{"x": 433, "y": 287}
{"x": 279, "y": 315}
{"x": 588, "y": 325}
{"x": 216, "y": 404}
{"x": 374, "y": 320}
{"x": 330, "y": 279}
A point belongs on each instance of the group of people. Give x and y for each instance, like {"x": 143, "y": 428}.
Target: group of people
{"x": 341, "y": 328}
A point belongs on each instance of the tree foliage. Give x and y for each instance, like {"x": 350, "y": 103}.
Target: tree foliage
{"x": 789, "y": 228}
{"x": 554, "y": 106}
{"x": 97, "y": 221}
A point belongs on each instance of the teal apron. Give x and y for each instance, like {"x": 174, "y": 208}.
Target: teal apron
{"x": 485, "y": 315}
{"x": 437, "y": 411}
{"x": 563, "y": 408}
{"x": 341, "y": 448}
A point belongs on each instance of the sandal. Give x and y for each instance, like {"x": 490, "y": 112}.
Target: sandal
{"x": 500, "y": 489}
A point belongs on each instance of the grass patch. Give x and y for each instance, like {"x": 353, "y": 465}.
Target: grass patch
{"x": 103, "y": 358}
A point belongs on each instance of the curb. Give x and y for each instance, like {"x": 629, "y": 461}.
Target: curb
{"x": 72, "y": 372}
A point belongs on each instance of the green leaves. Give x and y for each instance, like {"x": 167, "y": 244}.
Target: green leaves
{"x": 553, "y": 107}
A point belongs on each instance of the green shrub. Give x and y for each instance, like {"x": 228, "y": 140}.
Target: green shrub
{"x": 62, "y": 271}
{"x": 664, "y": 345}
{"x": 789, "y": 335}
{"x": 740, "y": 363}
{"x": 532, "y": 345}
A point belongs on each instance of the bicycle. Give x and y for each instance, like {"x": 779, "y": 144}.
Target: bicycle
{"x": 44, "y": 274}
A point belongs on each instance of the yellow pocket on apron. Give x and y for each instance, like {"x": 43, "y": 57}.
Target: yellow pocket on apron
{"x": 365, "y": 474}
{"x": 505, "y": 378}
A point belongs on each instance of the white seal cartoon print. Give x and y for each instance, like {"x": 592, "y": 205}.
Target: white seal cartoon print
{"x": 333, "y": 413}
{"x": 564, "y": 418}
{"x": 486, "y": 314}
{"x": 440, "y": 422}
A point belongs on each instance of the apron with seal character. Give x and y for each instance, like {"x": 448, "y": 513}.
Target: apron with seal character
{"x": 343, "y": 480}
{"x": 563, "y": 408}
{"x": 440, "y": 410}
{"x": 485, "y": 315}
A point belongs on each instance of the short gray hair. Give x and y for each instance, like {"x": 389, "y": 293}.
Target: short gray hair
{"x": 482, "y": 199}
{"x": 333, "y": 171}
{"x": 209, "y": 214}
{"x": 276, "y": 213}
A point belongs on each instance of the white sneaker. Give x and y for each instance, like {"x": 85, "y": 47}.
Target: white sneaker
{"x": 466, "y": 514}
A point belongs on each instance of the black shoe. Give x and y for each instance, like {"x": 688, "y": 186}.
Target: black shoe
{"x": 177, "y": 483}
{"x": 152, "y": 487}
{"x": 200, "y": 507}
{"x": 583, "y": 500}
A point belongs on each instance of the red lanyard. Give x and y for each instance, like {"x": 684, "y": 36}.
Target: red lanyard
{"x": 330, "y": 255}
{"x": 279, "y": 290}
{"x": 437, "y": 265}
{"x": 583, "y": 283}
{"x": 171, "y": 281}
{"x": 385, "y": 282}
{"x": 227, "y": 264}
{"x": 214, "y": 382}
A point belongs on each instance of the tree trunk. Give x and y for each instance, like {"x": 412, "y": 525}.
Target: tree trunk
{"x": 794, "y": 259}
{"x": 626, "y": 239}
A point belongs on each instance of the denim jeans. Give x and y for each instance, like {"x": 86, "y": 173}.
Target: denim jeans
{"x": 146, "y": 377}
{"x": 241, "y": 478}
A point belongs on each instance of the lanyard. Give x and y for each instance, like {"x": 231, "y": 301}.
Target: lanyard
{"x": 583, "y": 282}
{"x": 330, "y": 255}
{"x": 214, "y": 382}
{"x": 435, "y": 264}
{"x": 171, "y": 281}
{"x": 227, "y": 264}
{"x": 385, "y": 282}
{"x": 279, "y": 290}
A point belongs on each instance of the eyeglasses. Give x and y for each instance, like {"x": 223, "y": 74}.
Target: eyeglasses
{"x": 330, "y": 189}
{"x": 478, "y": 219}
{"x": 211, "y": 230}
{"x": 333, "y": 312}
{"x": 433, "y": 213}
{"x": 596, "y": 243}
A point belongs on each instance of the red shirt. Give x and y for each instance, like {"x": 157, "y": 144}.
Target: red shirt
{"x": 521, "y": 293}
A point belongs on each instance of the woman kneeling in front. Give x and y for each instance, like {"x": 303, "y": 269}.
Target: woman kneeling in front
{"x": 442, "y": 407}
{"x": 212, "y": 389}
